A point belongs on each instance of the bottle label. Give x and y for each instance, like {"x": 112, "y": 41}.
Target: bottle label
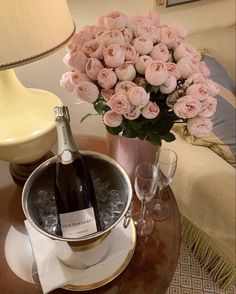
{"x": 78, "y": 223}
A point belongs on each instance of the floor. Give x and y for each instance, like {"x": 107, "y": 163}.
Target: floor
{"x": 189, "y": 277}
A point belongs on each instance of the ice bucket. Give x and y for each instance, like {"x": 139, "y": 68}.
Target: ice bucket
{"x": 88, "y": 250}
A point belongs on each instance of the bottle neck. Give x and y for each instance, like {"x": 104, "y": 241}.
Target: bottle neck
{"x": 65, "y": 137}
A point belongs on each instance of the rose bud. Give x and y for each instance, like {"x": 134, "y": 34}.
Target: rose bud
{"x": 156, "y": 73}
{"x": 187, "y": 107}
{"x": 173, "y": 70}
{"x": 71, "y": 79}
{"x": 160, "y": 52}
{"x": 153, "y": 18}
{"x": 76, "y": 60}
{"x": 106, "y": 78}
{"x": 120, "y": 103}
{"x": 198, "y": 91}
{"x": 199, "y": 126}
{"x": 65, "y": 81}
{"x": 93, "y": 66}
{"x": 213, "y": 87}
{"x": 138, "y": 96}
{"x": 114, "y": 55}
{"x": 201, "y": 67}
{"x": 133, "y": 114}
{"x": 112, "y": 37}
{"x": 115, "y": 20}
{"x": 186, "y": 67}
{"x": 124, "y": 86}
{"x": 168, "y": 36}
{"x": 87, "y": 91}
{"x": 195, "y": 78}
{"x": 169, "y": 85}
{"x": 125, "y": 72}
{"x": 179, "y": 29}
{"x": 150, "y": 110}
{"x": 93, "y": 48}
{"x": 185, "y": 49}
{"x": 78, "y": 39}
{"x": 143, "y": 45}
{"x": 142, "y": 63}
{"x": 128, "y": 35}
{"x": 107, "y": 93}
{"x": 112, "y": 119}
{"x": 144, "y": 31}
{"x": 130, "y": 52}
{"x": 208, "y": 107}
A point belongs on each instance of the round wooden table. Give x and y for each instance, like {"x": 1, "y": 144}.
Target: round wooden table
{"x": 151, "y": 268}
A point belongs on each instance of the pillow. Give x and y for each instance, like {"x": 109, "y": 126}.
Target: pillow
{"x": 219, "y": 43}
{"x": 222, "y": 138}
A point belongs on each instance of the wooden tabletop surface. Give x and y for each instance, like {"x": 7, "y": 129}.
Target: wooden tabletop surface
{"x": 151, "y": 268}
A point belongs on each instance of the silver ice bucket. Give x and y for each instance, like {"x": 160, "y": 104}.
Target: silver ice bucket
{"x": 88, "y": 250}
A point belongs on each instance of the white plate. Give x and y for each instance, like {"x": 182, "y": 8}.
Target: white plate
{"x": 113, "y": 264}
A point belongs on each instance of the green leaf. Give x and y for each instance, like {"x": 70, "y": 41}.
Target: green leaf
{"x": 87, "y": 115}
{"x": 100, "y": 106}
{"x": 151, "y": 88}
{"x": 168, "y": 137}
{"x": 129, "y": 133}
{"x": 154, "y": 139}
{"x": 113, "y": 131}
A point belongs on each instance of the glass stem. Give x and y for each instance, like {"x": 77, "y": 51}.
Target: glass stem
{"x": 143, "y": 211}
{"x": 158, "y": 204}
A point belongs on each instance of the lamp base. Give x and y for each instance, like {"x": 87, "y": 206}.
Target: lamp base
{"x": 21, "y": 172}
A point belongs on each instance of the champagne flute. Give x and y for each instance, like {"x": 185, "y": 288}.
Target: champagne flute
{"x": 145, "y": 188}
{"x": 166, "y": 162}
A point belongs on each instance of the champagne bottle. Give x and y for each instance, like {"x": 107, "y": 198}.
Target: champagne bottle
{"x": 74, "y": 192}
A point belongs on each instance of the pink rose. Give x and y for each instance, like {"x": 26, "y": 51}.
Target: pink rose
{"x": 194, "y": 78}
{"x": 201, "y": 67}
{"x": 213, "y": 88}
{"x": 153, "y": 18}
{"x": 208, "y": 107}
{"x": 112, "y": 119}
{"x": 199, "y": 126}
{"x": 143, "y": 45}
{"x": 114, "y": 55}
{"x": 77, "y": 41}
{"x": 198, "y": 91}
{"x": 115, "y": 20}
{"x": 144, "y": 31}
{"x": 76, "y": 60}
{"x": 169, "y": 85}
{"x": 179, "y": 29}
{"x": 186, "y": 67}
{"x": 125, "y": 72}
{"x": 150, "y": 110}
{"x": 91, "y": 30}
{"x": 130, "y": 53}
{"x": 173, "y": 70}
{"x": 112, "y": 37}
{"x": 187, "y": 107}
{"x": 168, "y": 37}
{"x": 120, "y": 103}
{"x": 65, "y": 81}
{"x": 106, "y": 78}
{"x": 71, "y": 79}
{"x": 184, "y": 49}
{"x": 93, "y": 66}
{"x": 107, "y": 93}
{"x": 160, "y": 52}
{"x": 138, "y": 96}
{"x": 156, "y": 73}
{"x": 127, "y": 34}
{"x": 124, "y": 86}
{"x": 93, "y": 48}
{"x": 142, "y": 63}
{"x": 87, "y": 91}
{"x": 100, "y": 20}
{"x": 133, "y": 114}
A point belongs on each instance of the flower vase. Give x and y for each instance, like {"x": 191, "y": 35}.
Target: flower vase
{"x": 130, "y": 152}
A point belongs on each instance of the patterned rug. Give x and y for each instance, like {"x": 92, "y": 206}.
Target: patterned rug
{"x": 190, "y": 278}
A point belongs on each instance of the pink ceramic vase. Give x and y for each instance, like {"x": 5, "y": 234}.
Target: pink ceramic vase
{"x": 130, "y": 152}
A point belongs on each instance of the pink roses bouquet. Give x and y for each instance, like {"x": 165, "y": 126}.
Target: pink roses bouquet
{"x": 141, "y": 77}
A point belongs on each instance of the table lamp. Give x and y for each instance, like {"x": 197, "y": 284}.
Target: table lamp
{"x": 29, "y": 30}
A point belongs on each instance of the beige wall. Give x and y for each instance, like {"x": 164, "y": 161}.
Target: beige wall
{"x": 46, "y": 73}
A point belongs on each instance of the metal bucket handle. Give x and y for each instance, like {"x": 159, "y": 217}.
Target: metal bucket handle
{"x": 127, "y": 218}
